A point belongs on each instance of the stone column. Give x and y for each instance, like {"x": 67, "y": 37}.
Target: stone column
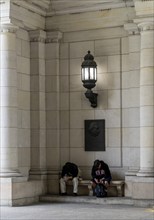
{"x": 8, "y": 103}
{"x": 147, "y": 100}
{"x": 140, "y": 187}
{"x": 133, "y": 100}
{"x": 38, "y": 109}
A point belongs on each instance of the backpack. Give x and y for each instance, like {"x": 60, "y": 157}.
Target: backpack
{"x": 100, "y": 190}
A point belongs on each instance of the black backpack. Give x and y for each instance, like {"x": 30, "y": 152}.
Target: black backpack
{"x": 100, "y": 190}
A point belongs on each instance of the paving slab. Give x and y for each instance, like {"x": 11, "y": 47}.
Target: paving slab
{"x": 95, "y": 200}
{"x": 76, "y": 211}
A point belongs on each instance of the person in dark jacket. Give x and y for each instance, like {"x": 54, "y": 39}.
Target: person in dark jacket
{"x": 101, "y": 175}
{"x": 69, "y": 173}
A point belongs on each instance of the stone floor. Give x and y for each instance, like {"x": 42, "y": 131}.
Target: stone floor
{"x": 100, "y": 201}
{"x": 76, "y": 211}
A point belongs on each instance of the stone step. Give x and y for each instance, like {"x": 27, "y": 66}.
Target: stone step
{"x": 87, "y": 199}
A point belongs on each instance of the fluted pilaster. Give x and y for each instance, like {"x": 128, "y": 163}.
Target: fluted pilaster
{"x": 8, "y": 102}
{"x": 38, "y": 114}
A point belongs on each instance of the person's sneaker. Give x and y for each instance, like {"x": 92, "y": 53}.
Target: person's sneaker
{"x": 99, "y": 196}
{"x": 63, "y": 194}
{"x": 75, "y": 194}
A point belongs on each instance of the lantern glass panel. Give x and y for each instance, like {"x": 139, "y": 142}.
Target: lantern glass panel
{"x": 86, "y": 73}
{"x": 95, "y": 74}
{"x": 92, "y": 73}
{"x": 82, "y": 75}
{"x": 91, "y": 70}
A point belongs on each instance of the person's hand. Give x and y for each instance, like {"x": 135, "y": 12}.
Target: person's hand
{"x": 65, "y": 178}
{"x": 106, "y": 183}
{"x": 70, "y": 177}
{"x": 97, "y": 181}
{"x": 102, "y": 180}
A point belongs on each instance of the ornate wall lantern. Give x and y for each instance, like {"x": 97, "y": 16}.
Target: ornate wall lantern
{"x": 89, "y": 78}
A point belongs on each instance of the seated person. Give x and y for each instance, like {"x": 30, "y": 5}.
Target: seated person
{"x": 69, "y": 172}
{"x": 101, "y": 178}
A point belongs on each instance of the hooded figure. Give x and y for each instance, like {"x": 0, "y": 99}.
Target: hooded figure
{"x": 69, "y": 173}
{"x": 101, "y": 176}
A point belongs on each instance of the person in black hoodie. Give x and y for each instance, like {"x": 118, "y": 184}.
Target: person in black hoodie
{"x": 101, "y": 176}
{"x": 69, "y": 172}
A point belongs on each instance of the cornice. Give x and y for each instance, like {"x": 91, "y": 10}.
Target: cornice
{"x": 146, "y": 26}
{"x": 42, "y": 36}
{"x": 54, "y": 7}
{"x": 90, "y": 20}
{"x": 37, "y": 36}
{"x": 144, "y": 8}
{"x": 4, "y": 11}
{"x": 13, "y": 13}
{"x": 36, "y": 6}
{"x": 54, "y": 36}
{"x": 131, "y": 28}
{"x": 144, "y": 14}
{"x": 8, "y": 28}
{"x": 38, "y": 14}
{"x": 145, "y": 23}
{"x": 87, "y": 6}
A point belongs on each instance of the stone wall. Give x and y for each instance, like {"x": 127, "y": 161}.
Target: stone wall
{"x": 43, "y": 106}
{"x": 112, "y": 57}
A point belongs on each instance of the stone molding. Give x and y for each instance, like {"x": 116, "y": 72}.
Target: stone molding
{"x": 146, "y": 26}
{"x": 38, "y": 171}
{"x": 144, "y": 7}
{"x": 134, "y": 29}
{"x": 5, "y": 173}
{"x": 90, "y": 20}
{"x": 131, "y": 28}
{"x": 37, "y": 36}
{"x": 33, "y": 14}
{"x": 145, "y": 173}
{"x": 49, "y": 8}
{"x": 8, "y": 28}
{"x": 54, "y": 36}
{"x": 42, "y": 36}
{"x": 32, "y": 6}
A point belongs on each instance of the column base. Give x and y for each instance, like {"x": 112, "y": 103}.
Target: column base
{"x": 145, "y": 173}
{"x": 19, "y": 191}
{"x": 38, "y": 174}
{"x": 131, "y": 172}
{"x": 9, "y": 173}
{"x": 139, "y": 187}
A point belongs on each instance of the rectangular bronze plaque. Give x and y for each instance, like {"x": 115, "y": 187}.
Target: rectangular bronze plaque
{"x": 94, "y": 135}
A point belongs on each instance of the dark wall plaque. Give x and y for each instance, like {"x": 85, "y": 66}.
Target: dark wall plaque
{"x": 95, "y": 135}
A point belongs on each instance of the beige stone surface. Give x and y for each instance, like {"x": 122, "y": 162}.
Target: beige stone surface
{"x": 43, "y": 105}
